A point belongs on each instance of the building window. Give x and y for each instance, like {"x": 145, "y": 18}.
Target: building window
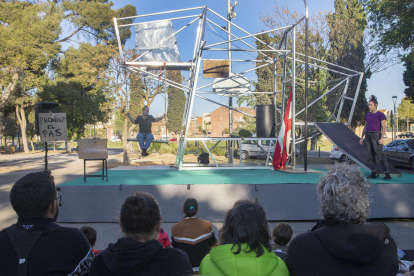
{"x": 222, "y": 118}
{"x": 162, "y": 129}
{"x": 221, "y": 127}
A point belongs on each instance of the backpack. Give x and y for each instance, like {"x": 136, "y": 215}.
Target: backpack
{"x": 23, "y": 242}
{"x": 204, "y": 158}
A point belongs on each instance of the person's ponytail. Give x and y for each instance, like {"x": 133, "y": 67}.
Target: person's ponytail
{"x": 190, "y": 207}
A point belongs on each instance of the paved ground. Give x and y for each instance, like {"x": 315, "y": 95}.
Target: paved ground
{"x": 66, "y": 167}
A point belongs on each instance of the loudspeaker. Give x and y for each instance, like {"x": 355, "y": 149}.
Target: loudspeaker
{"x": 204, "y": 158}
{"x": 265, "y": 121}
{"x": 44, "y": 107}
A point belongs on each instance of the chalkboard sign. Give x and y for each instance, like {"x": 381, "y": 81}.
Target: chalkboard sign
{"x": 52, "y": 127}
{"x": 93, "y": 149}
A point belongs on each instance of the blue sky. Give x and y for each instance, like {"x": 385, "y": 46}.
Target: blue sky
{"x": 384, "y": 84}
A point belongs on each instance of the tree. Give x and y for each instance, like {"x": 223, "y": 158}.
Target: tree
{"x": 406, "y": 111}
{"x": 347, "y": 26}
{"x": 137, "y": 99}
{"x": 25, "y": 52}
{"x": 176, "y": 103}
{"x": 391, "y": 23}
{"x": 248, "y": 123}
{"x": 81, "y": 86}
{"x": 31, "y": 41}
{"x": 408, "y": 76}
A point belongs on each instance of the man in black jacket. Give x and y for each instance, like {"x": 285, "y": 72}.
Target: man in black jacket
{"x": 341, "y": 244}
{"x": 36, "y": 245}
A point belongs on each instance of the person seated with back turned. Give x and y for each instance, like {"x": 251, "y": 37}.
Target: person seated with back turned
{"x": 281, "y": 234}
{"x": 244, "y": 245}
{"x": 90, "y": 233}
{"x": 193, "y": 235}
{"x": 341, "y": 244}
{"x": 145, "y": 124}
{"x": 36, "y": 244}
{"x": 139, "y": 252}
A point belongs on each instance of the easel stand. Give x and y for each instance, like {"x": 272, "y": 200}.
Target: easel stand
{"x": 46, "y": 156}
{"x": 104, "y": 169}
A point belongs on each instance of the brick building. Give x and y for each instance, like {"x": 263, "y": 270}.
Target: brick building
{"x": 220, "y": 120}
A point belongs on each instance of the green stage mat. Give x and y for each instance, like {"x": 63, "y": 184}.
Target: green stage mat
{"x": 163, "y": 177}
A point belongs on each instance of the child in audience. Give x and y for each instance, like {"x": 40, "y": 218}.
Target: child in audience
{"x": 244, "y": 245}
{"x": 139, "y": 252}
{"x": 163, "y": 238}
{"x": 193, "y": 235}
{"x": 282, "y": 233}
{"x": 91, "y": 234}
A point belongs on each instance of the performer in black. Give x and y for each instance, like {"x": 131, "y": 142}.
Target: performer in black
{"x": 374, "y": 130}
{"x": 145, "y": 123}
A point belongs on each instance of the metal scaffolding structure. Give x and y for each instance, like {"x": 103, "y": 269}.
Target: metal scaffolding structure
{"x": 284, "y": 52}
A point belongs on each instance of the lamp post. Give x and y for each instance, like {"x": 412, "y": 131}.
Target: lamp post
{"x": 394, "y": 100}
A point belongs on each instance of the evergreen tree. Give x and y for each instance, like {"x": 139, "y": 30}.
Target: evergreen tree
{"x": 81, "y": 86}
{"x": 347, "y": 25}
{"x": 265, "y": 74}
{"x": 408, "y": 76}
{"x": 392, "y": 23}
{"x": 176, "y": 103}
{"x": 136, "y": 99}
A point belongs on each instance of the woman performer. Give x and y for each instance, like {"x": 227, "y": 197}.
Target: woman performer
{"x": 145, "y": 123}
{"x": 374, "y": 130}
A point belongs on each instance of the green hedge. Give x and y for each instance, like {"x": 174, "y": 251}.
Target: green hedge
{"x": 172, "y": 147}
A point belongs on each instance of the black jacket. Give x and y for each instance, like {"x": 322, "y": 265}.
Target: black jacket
{"x": 130, "y": 257}
{"x": 58, "y": 251}
{"x": 334, "y": 249}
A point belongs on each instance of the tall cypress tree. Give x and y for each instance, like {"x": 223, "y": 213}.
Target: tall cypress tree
{"x": 347, "y": 25}
{"x": 176, "y": 103}
{"x": 265, "y": 74}
{"x": 136, "y": 98}
{"x": 408, "y": 76}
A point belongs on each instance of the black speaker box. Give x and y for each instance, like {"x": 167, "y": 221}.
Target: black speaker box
{"x": 44, "y": 107}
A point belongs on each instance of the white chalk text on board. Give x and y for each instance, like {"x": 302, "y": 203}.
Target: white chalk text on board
{"x": 52, "y": 127}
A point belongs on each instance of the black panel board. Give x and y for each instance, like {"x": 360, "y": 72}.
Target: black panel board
{"x": 348, "y": 142}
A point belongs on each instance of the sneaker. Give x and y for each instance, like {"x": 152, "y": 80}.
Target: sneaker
{"x": 387, "y": 176}
{"x": 372, "y": 175}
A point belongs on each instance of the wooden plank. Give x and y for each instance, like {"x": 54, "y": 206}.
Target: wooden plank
{"x": 216, "y": 69}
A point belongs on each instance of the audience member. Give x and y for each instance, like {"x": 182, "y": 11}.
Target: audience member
{"x": 139, "y": 252}
{"x": 193, "y": 235}
{"x": 90, "y": 233}
{"x": 282, "y": 233}
{"x": 36, "y": 244}
{"x": 244, "y": 245}
{"x": 410, "y": 271}
{"x": 163, "y": 238}
{"x": 341, "y": 244}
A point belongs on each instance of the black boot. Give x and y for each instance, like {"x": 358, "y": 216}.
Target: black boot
{"x": 372, "y": 175}
{"x": 144, "y": 152}
{"x": 387, "y": 176}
